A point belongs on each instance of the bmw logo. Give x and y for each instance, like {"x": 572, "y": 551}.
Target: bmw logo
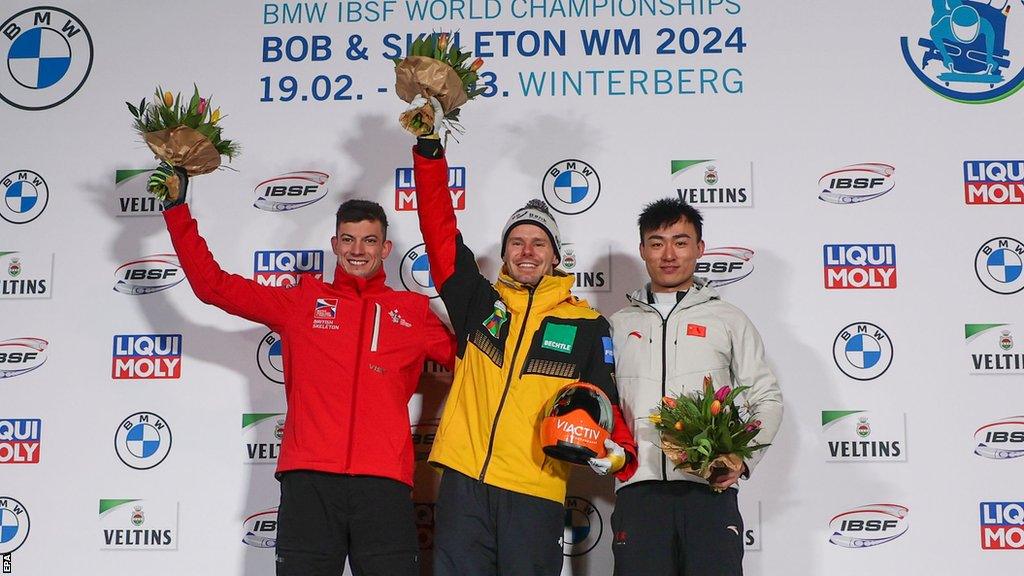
{"x": 415, "y": 272}
{"x": 14, "y": 525}
{"x": 1000, "y": 266}
{"x": 142, "y": 440}
{"x": 583, "y": 527}
{"x": 48, "y": 55}
{"x": 571, "y": 186}
{"x": 862, "y": 351}
{"x": 25, "y": 196}
{"x": 270, "y": 357}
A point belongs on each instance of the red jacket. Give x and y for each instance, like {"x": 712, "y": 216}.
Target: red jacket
{"x": 353, "y": 351}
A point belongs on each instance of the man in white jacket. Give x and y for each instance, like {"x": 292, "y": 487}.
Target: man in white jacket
{"x": 674, "y": 332}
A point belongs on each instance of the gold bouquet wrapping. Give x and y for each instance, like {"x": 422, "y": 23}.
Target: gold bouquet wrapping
{"x": 720, "y": 464}
{"x": 186, "y": 148}
{"x": 429, "y": 77}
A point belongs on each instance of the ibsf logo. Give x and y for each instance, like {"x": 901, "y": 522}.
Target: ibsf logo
{"x": 132, "y": 196}
{"x": 282, "y": 267}
{"x": 998, "y": 265}
{"x": 405, "y": 188}
{"x": 148, "y": 274}
{"x": 49, "y": 56}
{"x": 415, "y": 272}
{"x": 146, "y": 356}
{"x": 725, "y": 265}
{"x": 1002, "y": 525}
{"x": 856, "y": 183}
{"x": 965, "y": 53}
{"x": 868, "y": 526}
{"x": 1002, "y": 439}
{"x": 270, "y": 357}
{"x": 20, "y": 440}
{"x": 290, "y": 191}
{"x": 860, "y": 266}
{"x": 142, "y": 440}
{"x": 25, "y": 196}
{"x": 583, "y": 527}
{"x": 14, "y": 528}
{"x": 21, "y": 355}
{"x": 713, "y": 183}
{"x": 262, "y": 434}
{"x": 994, "y": 182}
{"x": 862, "y": 351}
{"x": 571, "y": 186}
{"x": 261, "y": 529}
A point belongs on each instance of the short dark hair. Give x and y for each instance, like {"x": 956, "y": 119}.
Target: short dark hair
{"x": 666, "y": 212}
{"x": 357, "y": 210}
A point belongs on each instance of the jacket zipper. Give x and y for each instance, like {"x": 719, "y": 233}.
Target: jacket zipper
{"x": 508, "y": 384}
{"x": 354, "y": 387}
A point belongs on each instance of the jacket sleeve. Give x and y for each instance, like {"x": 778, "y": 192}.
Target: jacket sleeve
{"x": 229, "y": 292}
{"x": 600, "y": 371}
{"x": 764, "y": 397}
{"x": 438, "y": 341}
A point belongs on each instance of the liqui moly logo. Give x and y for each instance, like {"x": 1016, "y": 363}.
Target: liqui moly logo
{"x": 405, "y": 188}
{"x": 1002, "y": 525}
{"x": 19, "y": 440}
{"x": 870, "y": 525}
{"x": 994, "y": 182}
{"x": 282, "y": 267}
{"x": 860, "y": 266}
{"x": 146, "y": 356}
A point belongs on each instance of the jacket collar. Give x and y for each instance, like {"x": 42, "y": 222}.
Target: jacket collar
{"x": 548, "y": 293}
{"x": 348, "y": 283}
{"x": 700, "y": 292}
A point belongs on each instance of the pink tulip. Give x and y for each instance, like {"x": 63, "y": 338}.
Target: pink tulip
{"x": 753, "y": 426}
{"x": 202, "y": 106}
{"x": 670, "y": 402}
{"x": 721, "y": 393}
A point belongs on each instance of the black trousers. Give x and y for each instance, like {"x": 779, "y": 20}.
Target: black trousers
{"x": 325, "y": 518}
{"x": 483, "y": 530}
{"x": 676, "y": 528}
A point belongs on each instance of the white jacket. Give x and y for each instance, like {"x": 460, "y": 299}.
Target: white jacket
{"x": 655, "y": 357}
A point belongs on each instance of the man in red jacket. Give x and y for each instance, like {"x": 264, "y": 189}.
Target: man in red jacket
{"x": 353, "y": 353}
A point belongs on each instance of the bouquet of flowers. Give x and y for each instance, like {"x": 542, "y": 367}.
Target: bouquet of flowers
{"x": 435, "y": 68}
{"x": 181, "y": 134}
{"x": 703, "y": 433}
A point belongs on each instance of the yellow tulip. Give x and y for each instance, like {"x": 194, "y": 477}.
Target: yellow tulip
{"x": 168, "y": 99}
{"x": 215, "y": 116}
{"x": 655, "y": 419}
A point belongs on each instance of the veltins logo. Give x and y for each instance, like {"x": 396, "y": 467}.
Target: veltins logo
{"x": 282, "y": 267}
{"x": 270, "y": 357}
{"x": 870, "y": 525}
{"x": 20, "y": 440}
{"x": 14, "y": 528}
{"x": 1002, "y": 525}
{"x": 415, "y": 272}
{"x": 135, "y": 524}
{"x": 714, "y": 183}
{"x": 131, "y": 196}
{"x": 864, "y": 436}
{"x": 862, "y": 351}
{"x": 142, "y": 440}
{"x": 21, "y": 355}
{"x": 856, "y": 183}
{"x": 860, "y": 266}
{"x": 725, "y": 265}
{"x": 591, "y": 268}
{"x": 571, "y": 186}
{"x": 994, "y": 181}
{"x": 25, "y": 196}
{"x": 49, "y": 56}
{"x": 583, "y": 527}
{"x": 261, "y": 435}
{"x": 405, "y": 188}
{"x": 750, "y": 511}
{"x": 992, "y": 349}
{"x": 998, "y": 265}
{"x": 261, "y": 529}
{"x": 965, "y": 53}
{"x": 291, "y": 191}
{"x": 148, "y": 274}
{"x": 146, "y": 356}
{"x": 1002, "y": 439}
{"x": 25, "y": 275}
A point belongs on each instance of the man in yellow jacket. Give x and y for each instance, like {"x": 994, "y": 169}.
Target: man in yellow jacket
{"x": 500, "y": 507}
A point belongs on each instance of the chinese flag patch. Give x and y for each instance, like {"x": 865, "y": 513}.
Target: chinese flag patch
{"x": 696, "y": 330}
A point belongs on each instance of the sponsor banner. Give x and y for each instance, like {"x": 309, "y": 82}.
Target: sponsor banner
{"x": 21, "y": 355}
{"x": 1002, "y": 439}
{"x": 994, "y": 181}
{"x": 20, "y": 440}
{"x": 148, "y": 274}
{"x": 999, "y": 264}
{"x": 291, "y": 190}
{"x": 571, "y": 186}
{"x": 405, "y": 188}
{"x": 131, "y": 197}
{"x": 261, "y": 436}
{"x": 415, "y": 272}
{"x": 282, "y": 267}
{"x": 864, "y": 436}
{"x": 270, "y": 357}
{"x": 862, "y": 351}
{"x": 584, "y": 526}
{"x": 592, "y": 267}
{"x": 260, "y": 529}
{"x": 1002, "y": 525}
{"x": 714, "y": 183}
{"x": 725, "y": 265}
{"x": 869, "y": 525}
{"x": 750, "y": 511}
{"x": 860, "y": 266}
{"x": 137, "y": 524}
{"x": 146, "y": 357}
{"x": 856, "y": 183}
{"x": 25, "y": 196}
{"x": 991, "y": 349}
{"x": 25, "y": 275}
{"x": 142, "y": 440}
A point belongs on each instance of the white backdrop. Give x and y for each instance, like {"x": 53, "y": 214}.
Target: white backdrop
{"x": 818, "y": 87}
